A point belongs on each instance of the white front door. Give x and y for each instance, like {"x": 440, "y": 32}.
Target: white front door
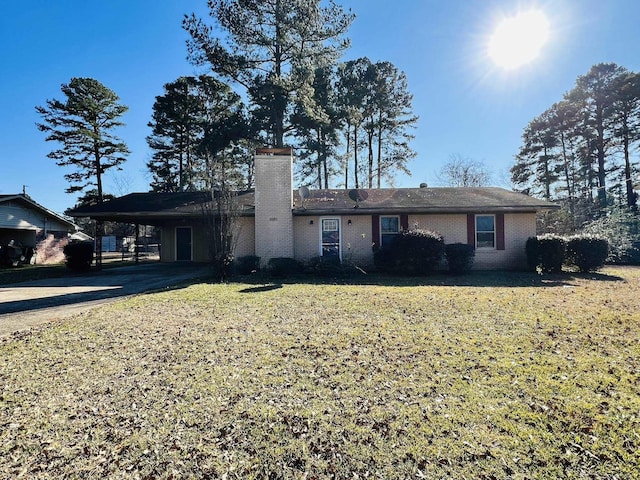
{"x": 330, "y": 238}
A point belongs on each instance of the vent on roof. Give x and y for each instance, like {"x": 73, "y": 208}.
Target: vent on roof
{"x": 423, "y": 185}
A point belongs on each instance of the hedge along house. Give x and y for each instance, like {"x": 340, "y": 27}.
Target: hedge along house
{"x": 274, "y": 220}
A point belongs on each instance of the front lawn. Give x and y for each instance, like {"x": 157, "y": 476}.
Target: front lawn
{"x": 509, "y": 376}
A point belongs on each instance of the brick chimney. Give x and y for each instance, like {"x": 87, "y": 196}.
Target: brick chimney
{"x": 273, "y": 203}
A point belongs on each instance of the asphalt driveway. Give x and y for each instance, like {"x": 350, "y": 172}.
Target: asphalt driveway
{"x": 27, "y": 304}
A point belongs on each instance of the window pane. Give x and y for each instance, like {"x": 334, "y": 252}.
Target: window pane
{"x": 485, "y": 240}
{"x": 330, "y": 236}
{"x": 484, "y": 223}
{"x": 389, "y": 225}
{"x": 329, "y": 225}
{"x": 388, "y": 238}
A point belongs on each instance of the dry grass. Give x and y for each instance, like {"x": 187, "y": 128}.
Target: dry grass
{"x": 334, "y": 381}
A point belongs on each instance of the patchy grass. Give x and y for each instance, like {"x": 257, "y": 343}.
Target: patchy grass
{"x": 540, "y": 379}
{"x": 27, "y": 273}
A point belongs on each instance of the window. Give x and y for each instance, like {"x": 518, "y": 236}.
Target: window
{"x": 330, "y": 237}
{"x": 485, "y": 231}
{"x": 389, "y": 228}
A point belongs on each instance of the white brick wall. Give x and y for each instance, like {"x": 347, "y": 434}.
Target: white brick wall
{"x": 356, "y": 238}
{"x": 274, "y": 202}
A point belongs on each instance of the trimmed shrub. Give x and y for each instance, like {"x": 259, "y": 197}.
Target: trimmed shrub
{"x": 331, "y": 267}
{"x": 587, "y": 252}
{"x": 459, "y": 257}
{"x": 283, "y": 266}
{"x": 78, "y": 255}
{"x": 246, "y": 265}
{"x": 413, "y": 252}
{"x": 546, "y": 253}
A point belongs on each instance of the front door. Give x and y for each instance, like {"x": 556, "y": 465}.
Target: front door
{"x": 183, "y": 244}
{"x": 330, "y": 238}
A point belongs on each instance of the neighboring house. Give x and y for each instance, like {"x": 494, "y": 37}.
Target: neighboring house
{"x": 276, "y": 221}
{"x": 23, "y": 221}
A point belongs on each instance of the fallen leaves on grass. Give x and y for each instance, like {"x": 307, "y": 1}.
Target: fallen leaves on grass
{"x": 332, "y": 381}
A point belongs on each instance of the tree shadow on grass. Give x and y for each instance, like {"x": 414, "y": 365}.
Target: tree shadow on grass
{"x": 262, "y": 288}
{"x": 508, "y": 279}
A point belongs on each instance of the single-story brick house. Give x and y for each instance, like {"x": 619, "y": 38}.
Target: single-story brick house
{"x": 274, "y": 220}
{"x": 22, "y": 220}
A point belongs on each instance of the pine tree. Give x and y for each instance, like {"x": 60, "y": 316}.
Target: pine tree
{"x": 83, "y": 123}
{"x": 271, "y": 48}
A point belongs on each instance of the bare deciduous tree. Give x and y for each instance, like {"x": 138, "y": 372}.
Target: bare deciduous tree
{"x": 462, "y": 171}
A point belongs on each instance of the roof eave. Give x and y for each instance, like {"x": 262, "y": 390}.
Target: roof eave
{"x": 420, "y": 210}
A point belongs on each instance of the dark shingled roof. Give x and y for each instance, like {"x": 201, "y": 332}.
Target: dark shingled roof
{"x": 419, "y": 200}
{"x": 153, "y": 207}
{"x": 140, "y": 207}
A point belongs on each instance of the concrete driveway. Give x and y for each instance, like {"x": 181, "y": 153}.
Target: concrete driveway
{"x": 24, "y": 305}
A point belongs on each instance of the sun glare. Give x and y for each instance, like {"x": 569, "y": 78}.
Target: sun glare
{"x": 519, "y": 39}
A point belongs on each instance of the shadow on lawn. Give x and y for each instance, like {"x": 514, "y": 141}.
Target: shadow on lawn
{"x": 509, "y": 279}
{"x": 262, "y": 288}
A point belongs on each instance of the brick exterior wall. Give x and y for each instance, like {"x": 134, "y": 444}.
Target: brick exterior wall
{"x": 274, "y": 235}
{"x": 517, "y": 228}
{"x": 356, "y": 238}
{"x": 245, "y": 234}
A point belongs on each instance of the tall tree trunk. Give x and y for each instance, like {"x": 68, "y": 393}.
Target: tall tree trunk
{"x": 379, "y": 172}
{"x": 279, "y": 104}
{"x": 324, "y": 160}
{"x": 631, "y": 196}
{"x": 347, "y": 155}
{"x": 370, "y": 157}
{"x": 600, "y": 145}
{"x": 355, "y": 156}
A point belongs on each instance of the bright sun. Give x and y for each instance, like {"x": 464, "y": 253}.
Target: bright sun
{"x": 519, "y": 39}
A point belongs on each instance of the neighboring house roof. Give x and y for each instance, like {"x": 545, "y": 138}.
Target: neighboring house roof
{"x": 81, "y": 236}
{"x": 162, "y": 206}
{"x": 15, "y": 206}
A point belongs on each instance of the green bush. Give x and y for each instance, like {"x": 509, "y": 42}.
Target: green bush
{"x": 331, "y": 267}
{"x": 587, "y": 252}
{"x": 246, "y": 265}
{"x": 459, "y": 257}
{"x": 283, "y": 266}
{"x": 413, "y": 252}
{"x": 78, "y": 255}
{"x": 546, "y": 253}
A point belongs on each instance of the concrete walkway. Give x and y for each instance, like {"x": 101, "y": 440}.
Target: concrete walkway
{"x": 27, "y": 304}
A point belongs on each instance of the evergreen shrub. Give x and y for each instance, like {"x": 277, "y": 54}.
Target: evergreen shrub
{"x": 413, "y": 252}
{"x": 246, "y": 265}
{"x": 78, "y": 255}
{"x": 546, "y": 253}
{"x": 587, "y": 252}
{"x": 283, "y": 266}
{"x": 459, "y": 257}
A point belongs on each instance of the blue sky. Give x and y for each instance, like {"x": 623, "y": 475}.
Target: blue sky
{"x": 466, "y": 104}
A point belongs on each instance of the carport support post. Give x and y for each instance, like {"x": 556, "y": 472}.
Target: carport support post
{"x": 137, "y": 249}
{"x": 99, "y": 233}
